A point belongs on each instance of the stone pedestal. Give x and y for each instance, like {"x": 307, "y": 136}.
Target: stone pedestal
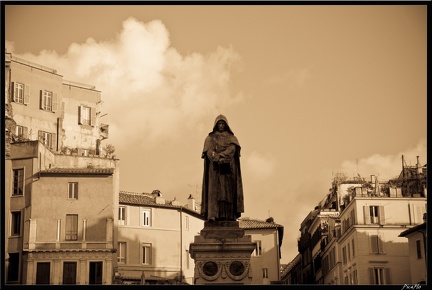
{"x": 222, "y": 254}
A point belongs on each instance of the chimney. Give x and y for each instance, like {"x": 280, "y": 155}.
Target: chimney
{"x": 418, "y": 166}
{"x": 191, "y": 203}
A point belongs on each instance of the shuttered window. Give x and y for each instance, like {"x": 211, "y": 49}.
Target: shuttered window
{"x": 71, "y": 227}
{"x": 48, "y": 139}
{"x": 379, "y": 276}
{"x": 86, "y": 115}
{"x": 48, "y": 101}
{"x": 43, "y": 273}
{"x": 73, "y": 190}
{"x": 146, "y": 253}
{"x": 18, "y": 182}
{"x": 69, "y": 272}
{"x": 122, "y": 215}
{"x": 376, "y": 244}
{"x": 374, "y": 214}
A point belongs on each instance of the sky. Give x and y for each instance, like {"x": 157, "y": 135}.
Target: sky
{"x": 309, "y": 91}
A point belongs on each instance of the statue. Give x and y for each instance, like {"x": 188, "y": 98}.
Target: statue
{"x": 222, "y": 189}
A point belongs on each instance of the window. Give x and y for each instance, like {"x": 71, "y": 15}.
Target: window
{"x": 146, "y": 253}
{"x": 374, "y": 214}
{"x": 69, "y": 272}
{"x": 43, "y": 273}
{"x": 376, "y": 244}
{"x": 121, "y": 254}
{"x": 265, "y": 273}
{"x": 21, "y": 93}
{"x": 379, "y": 276}
{"x": 71, "y": 227}
{"x": 13, "y": 269}
{"x": 48, "y": 101}
{"x": 21, "y": 131}
{"x": 346, "y": 279}
{"x": 18, "y": 93}
{"x": 48, "y": 139}
{"x": 353, "y": 249}
{"x": 344, "y": 255}
{"x": 122, "y": 215}
{"x": 18, "y": 182}
{"x": 187, "y": 223}
{"x": 258, "y": 248}
{"x": 349, "y": 251}
{"x": 146, "y": 217}
{"x": 355, "y": 280}
{"x": 332, "y": 257}
{"x": 73, "y": 190}
{"x": 16, "y": 223}
{"x": 86, "y": 115}
{"x": 419, "y": 251}
{"x": 95, "y": 272}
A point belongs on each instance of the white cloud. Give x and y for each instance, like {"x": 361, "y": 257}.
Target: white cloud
{"x": 385, "y": 166}
{"x": 150, "y": 90}
{"x": 258, "y": 166}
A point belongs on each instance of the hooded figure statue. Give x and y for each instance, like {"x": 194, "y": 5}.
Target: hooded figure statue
{"x": 222, "y": 190}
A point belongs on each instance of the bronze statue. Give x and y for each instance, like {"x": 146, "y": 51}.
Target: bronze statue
{"x": 222, "y": 189}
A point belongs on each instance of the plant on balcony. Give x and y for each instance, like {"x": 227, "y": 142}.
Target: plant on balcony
{"x": 109, "y": 150}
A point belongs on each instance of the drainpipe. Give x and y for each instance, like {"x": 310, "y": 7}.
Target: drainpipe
{"x": 181, "y": 244}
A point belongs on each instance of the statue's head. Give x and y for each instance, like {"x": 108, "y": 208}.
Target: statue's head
{"x": 221, "y": 124}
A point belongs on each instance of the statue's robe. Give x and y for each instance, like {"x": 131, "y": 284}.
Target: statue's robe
{"x": 222, "y": 188}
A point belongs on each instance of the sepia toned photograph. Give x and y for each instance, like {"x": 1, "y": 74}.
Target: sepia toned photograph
{"x": 218, "y": 144}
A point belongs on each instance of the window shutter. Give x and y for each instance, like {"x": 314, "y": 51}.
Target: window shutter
{"x": 25, "y": 132}
{"x": 380, "y": 245}
{"x": 54, "y": 102}
{"x": 80, "y": 109}
{"x": 93, "y": 116}
{"x": 374, "y": 244}
{"x": 366, "y": 215}
{"x": 26, "y": 94}
{"x": 387, "y": 275}
{"x": 76, "y": 190}
{"x": 381, "y": 215}
{"x": 371, "y": 276}
{"x": 53, "y": 141}
{"x": 40, "y": 136}
{"x": 14, "y": 96}
{"x": 42, "y": 100}
{"x": 418, "y": 214}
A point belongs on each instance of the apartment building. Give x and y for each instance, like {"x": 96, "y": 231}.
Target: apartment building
{"x": 265, "y": 261}
{"x": 417, "y": 242}
{"x": 372, "y": 251}
{"x": 59, "y": 204}
{"x": 61, "y": 114}
{"x": 353, "y": 236}
{"x": 153, "y": 239}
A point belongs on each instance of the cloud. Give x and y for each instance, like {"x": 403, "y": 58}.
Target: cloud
{"x": 294, "y": 78}
{"x": 258, "y": 166}
{"x": 385, "y": 166}
{"x": 149, "y": 89}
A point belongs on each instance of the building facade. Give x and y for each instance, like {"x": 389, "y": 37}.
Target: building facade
{"x": 153, "y": 239}
{"x": 417, "y": 242}
{"x": 265, "y": 260}
{"x": 59, "y": 204}
{"x": 353, "y": 235}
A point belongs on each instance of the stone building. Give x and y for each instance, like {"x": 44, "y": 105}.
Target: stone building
{"x": 60, "y": 226}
